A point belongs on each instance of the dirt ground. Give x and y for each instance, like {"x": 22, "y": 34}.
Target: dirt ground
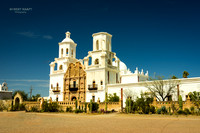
{"x": 21, "y": 122}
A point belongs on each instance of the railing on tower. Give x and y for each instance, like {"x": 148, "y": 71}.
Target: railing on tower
{"x": 92, "y": 87}
{"x": 73, "y": 87}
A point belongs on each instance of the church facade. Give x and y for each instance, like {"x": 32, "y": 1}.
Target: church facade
{"x": 100, "y": 72}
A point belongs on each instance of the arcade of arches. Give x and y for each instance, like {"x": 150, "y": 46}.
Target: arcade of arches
{"x": 75, "y": 83}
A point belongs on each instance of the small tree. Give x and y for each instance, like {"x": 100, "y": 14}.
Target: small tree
{"x": 195, "y": 97}
{"x": 180, "y": 101}
{"x": 174, "y": 77}
{"x": 161, "y": 89}
{"x": 76, "y": 104}
{"x": 90, "y": 106}
{"x": 106, "y": 98}
{"x": 85, "y": 107}
{"x": 113, "y": 98}
{"x": 185, "y": 74}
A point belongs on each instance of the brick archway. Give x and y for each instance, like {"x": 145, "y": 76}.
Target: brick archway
{"x": 17, "y": 99}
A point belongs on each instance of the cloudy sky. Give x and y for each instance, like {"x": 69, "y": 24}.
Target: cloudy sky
{"x": 161, "y": 36}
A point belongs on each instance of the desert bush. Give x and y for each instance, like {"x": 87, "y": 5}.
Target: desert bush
{"x": 192, "y": 109}
{"x": 50, "y": 107}
{"x": 173, "y": 108}
{"x": 78, "y": 111}
{"x": 69, "y": 109}
{"x": 163, "y": 110}
{"x": 85, "y": 107}
{"x": 180, "y": 102}
{"x": 152, "y": 109}
{"x": 93, "y": 106}
{"x": 34, "y": 109}
{"x": 187, "y": 111}
{"x": 181, "y": 112}
{"x": 159, "y": 111}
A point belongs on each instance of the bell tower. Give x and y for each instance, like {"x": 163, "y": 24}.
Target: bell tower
{"x": 67, "y": 55}
{"x": 99, "y": 67}
{"x": 67, "y": 48}
{"x": 102, "y": 41}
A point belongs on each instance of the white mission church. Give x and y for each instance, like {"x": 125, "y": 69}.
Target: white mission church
{"x": 99, "y": 72}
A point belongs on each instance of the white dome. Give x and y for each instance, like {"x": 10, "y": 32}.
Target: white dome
{"x": 122, "y": 66}
{"x": 67, "y": 40}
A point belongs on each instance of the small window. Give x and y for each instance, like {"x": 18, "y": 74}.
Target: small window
{"x": 97, "y": 45}
{"x": 61, "y": 52}
{"x": 101, "y": 82}
{"x": 67, "y": 51}
{"x": 93, "y": 84}
{"x": 51, "y": 86}
{"x": 93, "y": 98}
{"x": 72, "y": 52}
{"x": 116, "y": 78}
{"x": 109, "y": 61}
{"x": 56, "y": 99}
{"x": 61, "y": 67}
{"x": 108, "y": 77}
{"x": 96, "y": 61}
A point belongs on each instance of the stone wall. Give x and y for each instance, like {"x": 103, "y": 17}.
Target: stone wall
{"x": 167, "y": 104}
{"x": 6, "y": 104}
{"x": 5, "y": 95}
{"x": 30, "y": 104}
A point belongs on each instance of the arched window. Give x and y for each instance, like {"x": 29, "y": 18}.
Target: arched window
{"x": 101, "y": 82}
{"x": 72, "y": 52}
{"x": 108, "y": 77}
{"x": 96, "y": 61}
{"x": 67, "y": 51}
{"x": 116, "y": 78}
{"x": 97, "y": 45}
{"x": 61, "y": 52}
{"x": 93, "y": 84}
{"x": 60, "y": 67}
{"x": 109, "y": 62}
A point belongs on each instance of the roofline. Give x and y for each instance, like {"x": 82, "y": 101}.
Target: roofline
{"x": 99, "y": 33}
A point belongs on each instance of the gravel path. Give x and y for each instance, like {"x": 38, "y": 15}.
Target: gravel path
{"x": 21, "y": 122}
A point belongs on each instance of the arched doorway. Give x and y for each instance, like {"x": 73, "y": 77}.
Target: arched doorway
{"x": 73, "y": 98}
{"x": 17, "y": 102}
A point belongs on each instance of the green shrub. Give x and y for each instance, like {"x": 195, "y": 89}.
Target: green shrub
{"x": 85, "y": 107}
{"x": 181, "y": 112}
{"x": 78, "y": 111}
{"x": 187, "y": 111}
{"x": 69, "y": 109}
{"x": 152, "y": 109}
{"x": 76, "y": 104}
{"x": 50, "y": 107}
{"x": 180, "y": 101}
{"x": 34, "y": 109}
{"x": 163, "y": 110}
{"x": 159, "y": 111}
{"x": 113, "y": 98}
{"x": 93, "y": 107}
{"x": 173, "y": 107}
{"x": 192, "y": 109}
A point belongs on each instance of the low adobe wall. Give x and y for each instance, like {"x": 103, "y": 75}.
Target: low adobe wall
{"x": 167, "y": 104}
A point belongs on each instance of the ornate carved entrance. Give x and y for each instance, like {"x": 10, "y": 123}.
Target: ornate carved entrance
{"x": 75, "y": 83}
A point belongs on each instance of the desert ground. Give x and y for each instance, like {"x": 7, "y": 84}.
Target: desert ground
{"x": 21, "y": 122}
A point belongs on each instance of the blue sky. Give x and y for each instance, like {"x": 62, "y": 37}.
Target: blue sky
{"x": 161, "y": 36}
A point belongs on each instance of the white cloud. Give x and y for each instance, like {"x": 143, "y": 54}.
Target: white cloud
{"x": 47, "y": 37}
{"x": 28, "y": 34}
{"x": 25, "y": 80}
{"x": 33, "y": 35}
